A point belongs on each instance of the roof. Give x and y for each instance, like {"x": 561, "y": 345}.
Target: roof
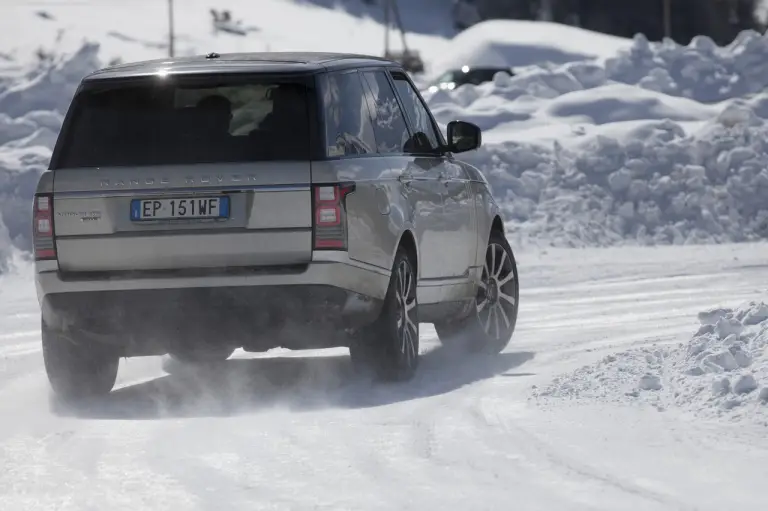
{"x": 280, "y": 62}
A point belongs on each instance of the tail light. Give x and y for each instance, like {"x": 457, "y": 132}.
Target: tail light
{"x": 44, "y": 242}
{"x": 330, "y": 216}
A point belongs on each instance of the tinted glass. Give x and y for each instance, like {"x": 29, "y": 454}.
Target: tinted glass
{"x": 388, "y": 122}
{"x": 165, "y": 122}
{"x": 424, "y": 137}
{"x": 348, "y": 128}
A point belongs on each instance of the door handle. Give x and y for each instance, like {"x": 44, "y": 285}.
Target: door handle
{"x": 405, "y": 179}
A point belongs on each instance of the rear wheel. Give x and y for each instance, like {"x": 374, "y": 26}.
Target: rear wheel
{"x": 390, "y": 346}
{"x": 492, "y": 322}
{"x": 78, "y": 371}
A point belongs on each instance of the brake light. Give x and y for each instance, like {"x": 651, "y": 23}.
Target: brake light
{"x": 330, "y": 225}
{"x": 44, "y": 238}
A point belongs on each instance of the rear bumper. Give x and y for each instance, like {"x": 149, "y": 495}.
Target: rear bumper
{"x": 327, "y": 268}
{"x": 146, "y": 312}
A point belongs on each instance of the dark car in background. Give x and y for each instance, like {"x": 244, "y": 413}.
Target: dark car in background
{"x": 455, "y": 78}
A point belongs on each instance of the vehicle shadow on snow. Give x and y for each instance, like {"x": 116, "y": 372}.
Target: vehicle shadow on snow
{"x": 240, "y": 386}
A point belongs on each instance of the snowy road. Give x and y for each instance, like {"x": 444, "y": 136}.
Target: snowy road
{"x": 297, "y": 431}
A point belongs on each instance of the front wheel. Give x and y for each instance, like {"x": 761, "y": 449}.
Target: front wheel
{"x": 492, "y": 322}
{"x": 78, "y": 371}
{"x": 390, "y": 346}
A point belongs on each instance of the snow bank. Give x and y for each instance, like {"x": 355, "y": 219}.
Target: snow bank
{"x": 658, "y": 186}
{"x": 514, "y": 43}
{"x": 51, "y": 86}
{"x": 721, "y": 372}
{"x": 31, "y": 113}
{"x": 660, "y": 143}
{"x": 701, "y": 70}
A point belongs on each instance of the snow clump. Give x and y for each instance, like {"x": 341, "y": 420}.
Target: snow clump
{"x": 721, "y": 372}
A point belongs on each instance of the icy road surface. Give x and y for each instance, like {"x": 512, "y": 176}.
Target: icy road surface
{"x": 288, "y": 430}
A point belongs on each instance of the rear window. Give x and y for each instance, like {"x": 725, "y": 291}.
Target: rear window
{"x": 167, "y": 122}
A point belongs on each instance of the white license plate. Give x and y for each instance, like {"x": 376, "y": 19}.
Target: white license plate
{"x": 180, "y": 208}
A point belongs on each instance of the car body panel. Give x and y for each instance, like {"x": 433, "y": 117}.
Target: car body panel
{"x": 421, "y": 206}
{"x": 486, "y": 210}
{"x": 375, "y": 218}
{"x": 460, "y": 221}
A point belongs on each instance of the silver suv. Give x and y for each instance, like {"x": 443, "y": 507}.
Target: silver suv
{"x": 304, "y": 200}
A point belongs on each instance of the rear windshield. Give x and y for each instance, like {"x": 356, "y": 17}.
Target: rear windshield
{"x": 166, "y": 122}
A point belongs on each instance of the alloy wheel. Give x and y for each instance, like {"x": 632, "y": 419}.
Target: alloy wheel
{"x": 407, "y": 328}
{"x": 497, "y": 294}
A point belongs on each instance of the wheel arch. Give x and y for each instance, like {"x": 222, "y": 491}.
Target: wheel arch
{"x": 489, "y": 217}
{"x": 497, "y": 225}
{"x": 408, "y": 242}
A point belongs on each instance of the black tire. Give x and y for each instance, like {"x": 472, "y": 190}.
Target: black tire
{"x": 390, "y": 346}
{"x": 491, "y": 324}
{"x": 78, "y": 371}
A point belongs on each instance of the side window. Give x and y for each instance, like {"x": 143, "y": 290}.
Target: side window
{"x": 348, "y": 128}
{"x": 388, "y": 122}
{"x": 425, "y": 138}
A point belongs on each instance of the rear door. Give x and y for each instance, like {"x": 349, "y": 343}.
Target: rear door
{"x": 185, "y": 172}
{"x": 457, "y": 226}
{"x": 417, "y": 178}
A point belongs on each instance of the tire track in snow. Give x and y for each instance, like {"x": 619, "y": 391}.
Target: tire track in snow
{"x": 548, "y": 458}
{"x": 26, "y": 365}
{"x": 18, "y": 350}
{"x": 661, "y": 311}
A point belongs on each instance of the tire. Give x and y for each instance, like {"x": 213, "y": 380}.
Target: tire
{"x": 78, "y": 371}
{"x": 390, "y": 346}
{"x": 490, "y": 326}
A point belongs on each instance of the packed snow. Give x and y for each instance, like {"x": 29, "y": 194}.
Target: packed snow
{"x": 299, "y": 430}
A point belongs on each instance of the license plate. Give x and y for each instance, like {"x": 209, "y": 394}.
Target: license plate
{"x": 180, "y": 208}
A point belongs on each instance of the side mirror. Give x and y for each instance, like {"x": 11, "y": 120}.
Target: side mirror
{"x": 463, "y": 136}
